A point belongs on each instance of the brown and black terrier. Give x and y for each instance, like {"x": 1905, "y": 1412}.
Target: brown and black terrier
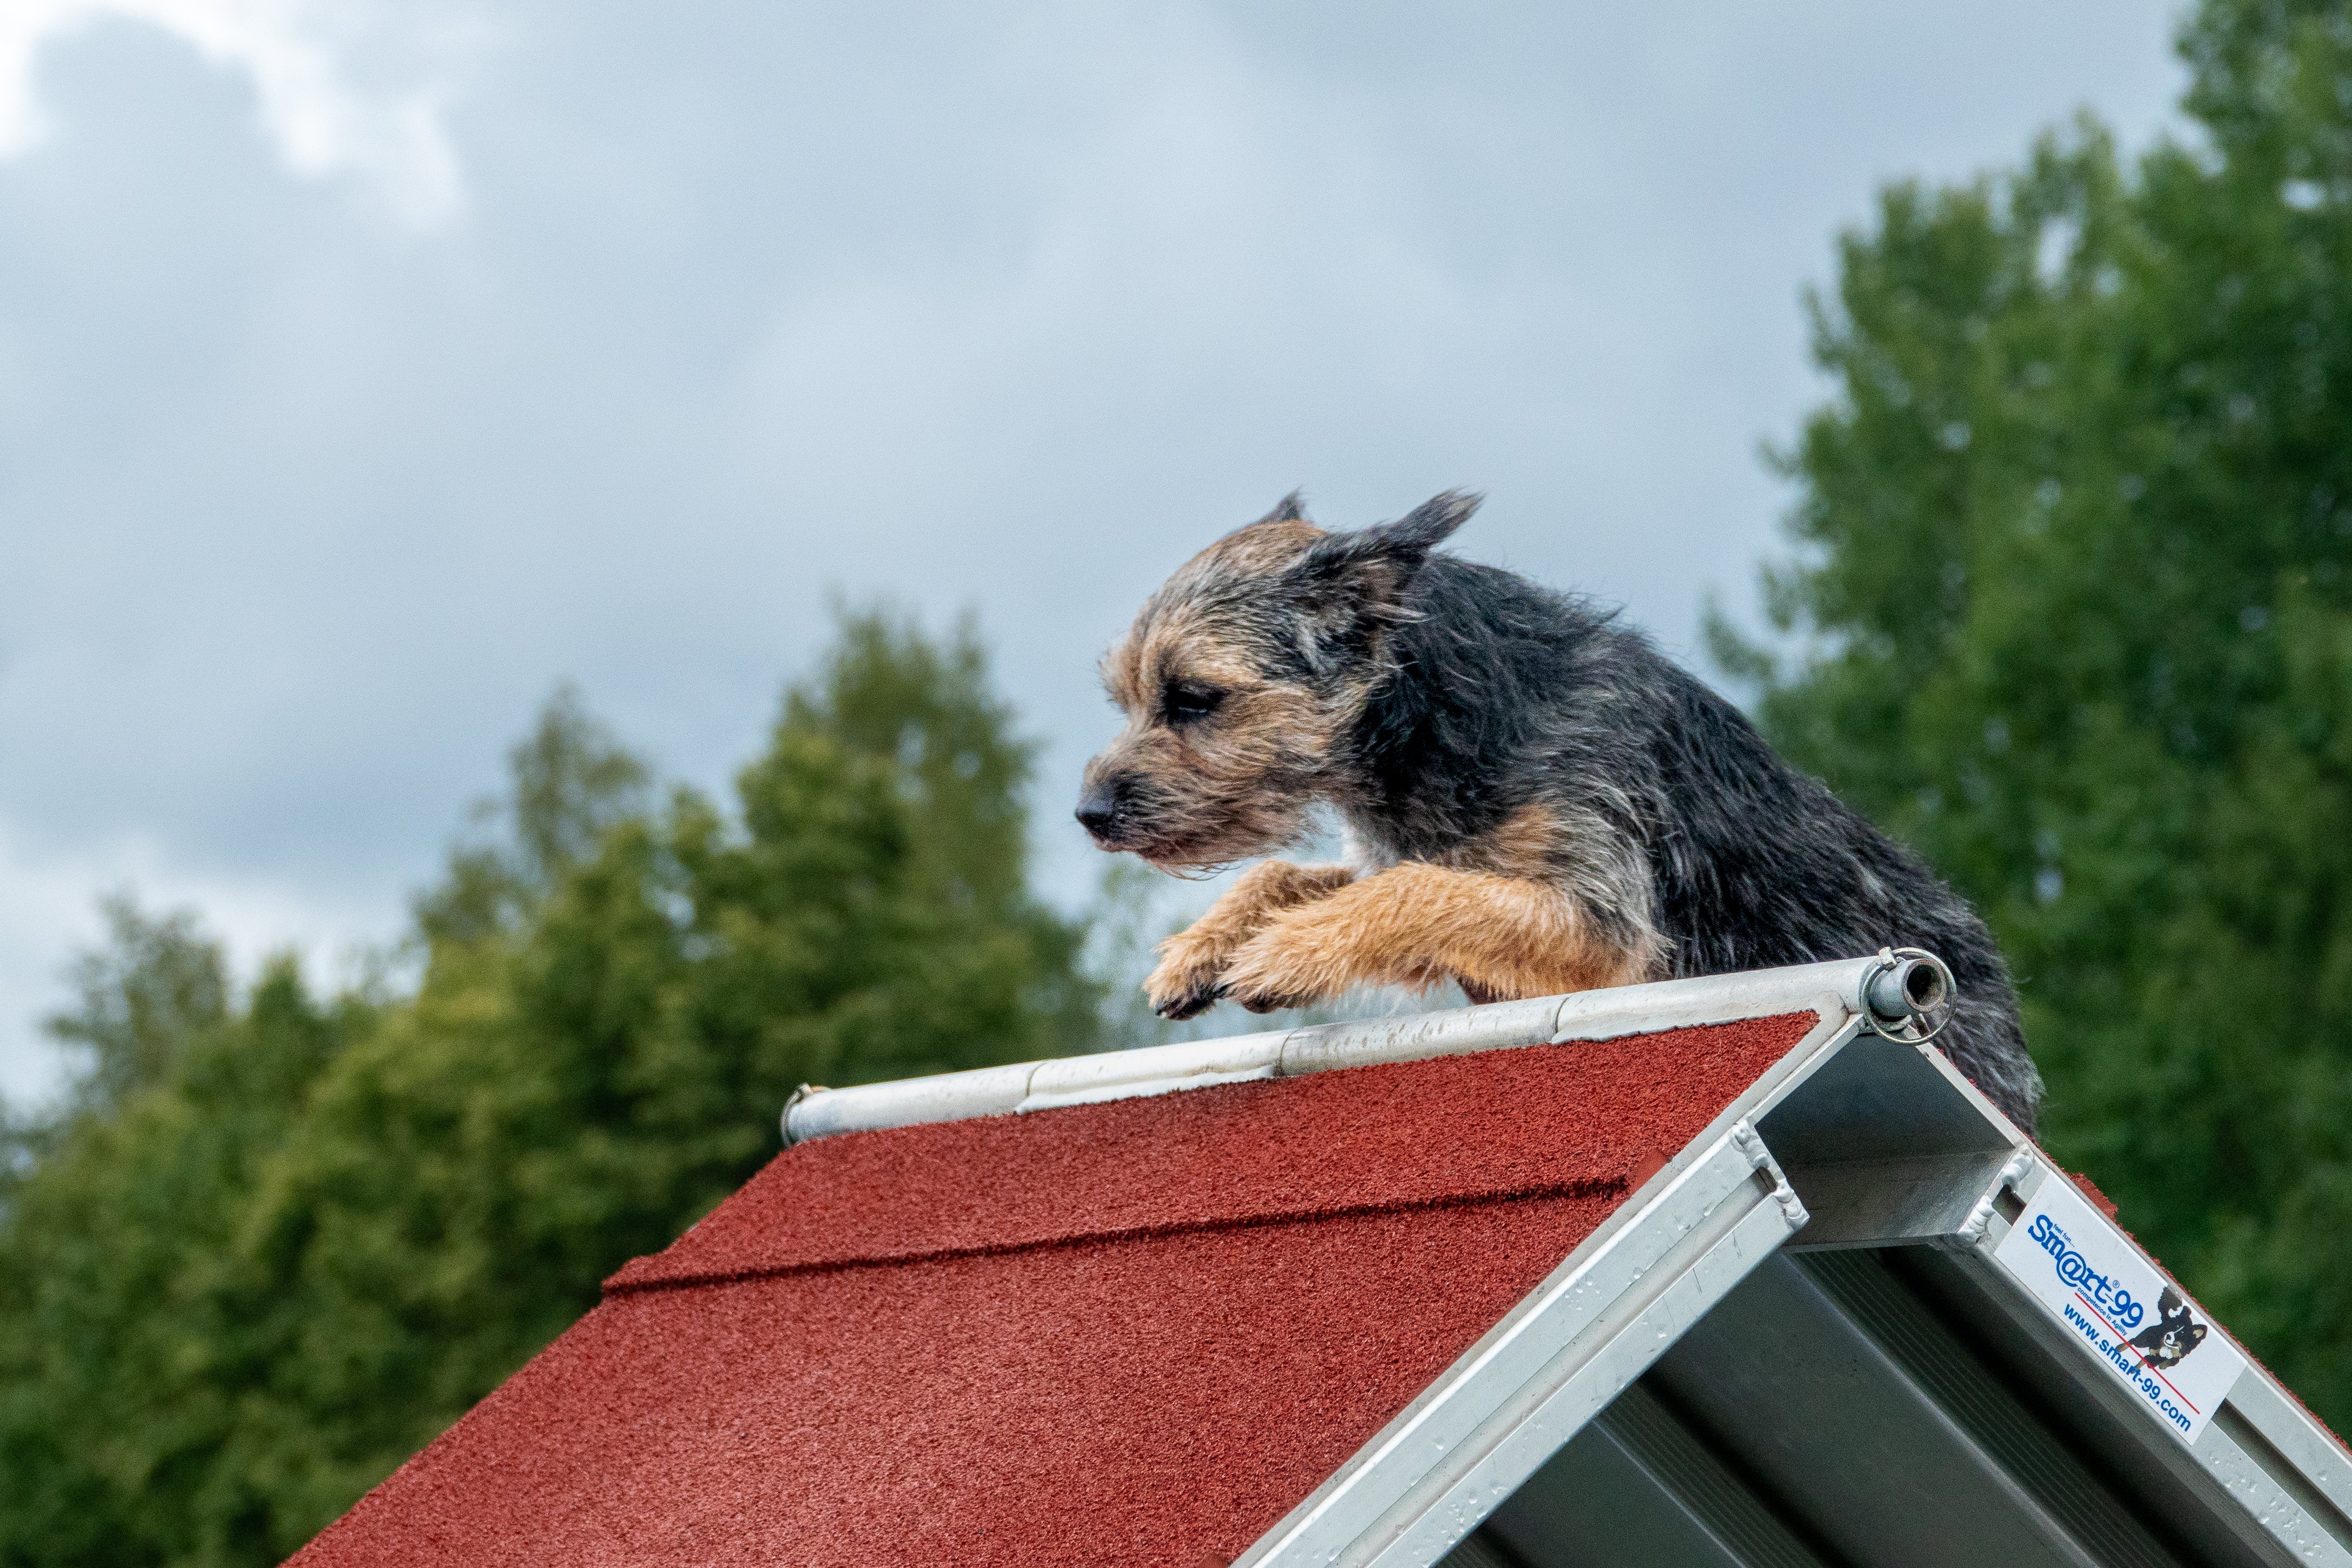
{"x": 1535, "y": 799}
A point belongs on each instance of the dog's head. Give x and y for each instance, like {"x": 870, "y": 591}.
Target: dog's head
{"x": 1240, "y": 675}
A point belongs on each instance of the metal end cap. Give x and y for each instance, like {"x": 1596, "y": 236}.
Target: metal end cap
{"x": 797, "y": 1096}
{"x": 1909, "y": 995}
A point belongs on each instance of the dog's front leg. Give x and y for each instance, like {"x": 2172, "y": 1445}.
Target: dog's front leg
{"x": 1192, "y": 962}
{"x": 1417, "y": 924}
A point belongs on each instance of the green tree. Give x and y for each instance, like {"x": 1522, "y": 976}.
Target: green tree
{"x": 2069, "y": 612}
{"x": 124, "y": 1356}
{"x": 570, "y": 784}
{"x": 158, "y": 983}
{"x": 305, "y": 1236}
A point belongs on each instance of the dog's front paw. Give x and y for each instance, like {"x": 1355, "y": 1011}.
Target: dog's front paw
{"x": 1187, "y": 982}
{"x": 1269, "y": 974}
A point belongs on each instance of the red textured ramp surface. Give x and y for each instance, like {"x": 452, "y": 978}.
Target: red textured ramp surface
{"x": 1136, "y": 1332}
{"x": 1111, "y": 1403}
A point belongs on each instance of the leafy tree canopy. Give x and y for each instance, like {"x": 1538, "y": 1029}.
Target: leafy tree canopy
{"x": 273, "y": 1246}
{"x": 2070, "y": 611}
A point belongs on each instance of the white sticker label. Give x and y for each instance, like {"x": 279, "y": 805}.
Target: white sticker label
{"x": 2152, "y": 1339}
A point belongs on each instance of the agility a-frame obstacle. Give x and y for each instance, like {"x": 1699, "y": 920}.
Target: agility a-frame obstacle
{"x": 1721, "y": 1271}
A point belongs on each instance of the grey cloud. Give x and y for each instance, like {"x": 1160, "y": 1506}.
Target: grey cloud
{"x": 301, "y": 512}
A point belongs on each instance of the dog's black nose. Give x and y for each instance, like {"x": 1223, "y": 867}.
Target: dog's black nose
{"x": 1097, "y": 805}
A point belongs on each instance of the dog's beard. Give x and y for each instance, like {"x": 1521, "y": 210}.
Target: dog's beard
{"x": 1217, "y": 837}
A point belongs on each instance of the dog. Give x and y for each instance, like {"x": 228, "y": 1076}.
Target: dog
{"x": 1535, "y": 800}
{"x": 2176, "y": 1332}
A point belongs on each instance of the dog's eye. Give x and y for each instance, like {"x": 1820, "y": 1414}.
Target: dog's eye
{"x": 1187, "y": 703}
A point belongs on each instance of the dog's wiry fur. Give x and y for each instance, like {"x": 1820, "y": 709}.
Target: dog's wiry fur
{"x": 1537, "y": 800}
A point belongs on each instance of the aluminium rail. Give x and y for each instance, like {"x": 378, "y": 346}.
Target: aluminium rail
{"x": 1881, "y": 991}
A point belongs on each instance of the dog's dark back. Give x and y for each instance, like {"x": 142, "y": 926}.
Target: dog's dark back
{"x": 1505, "y": 695}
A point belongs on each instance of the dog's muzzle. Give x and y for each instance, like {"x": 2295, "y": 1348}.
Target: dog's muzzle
{"x": 1100, "y": 805}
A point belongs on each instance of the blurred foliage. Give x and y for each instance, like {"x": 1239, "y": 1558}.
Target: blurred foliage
{"x": 2070, "y": 611}
{"x": 155, "y": 985}
{"x": 270, "y": 1247}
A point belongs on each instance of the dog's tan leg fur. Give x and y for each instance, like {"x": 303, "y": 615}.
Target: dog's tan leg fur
{"x": 1417, "y": 924}
{"x": 1192, "y": 962}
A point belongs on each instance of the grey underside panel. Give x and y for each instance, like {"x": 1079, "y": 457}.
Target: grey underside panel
{"x": 1670, "y": 1500}
{"x": 1860, "y": 1408}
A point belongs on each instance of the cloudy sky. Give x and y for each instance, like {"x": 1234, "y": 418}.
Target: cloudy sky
{"x": 366, "y": 370}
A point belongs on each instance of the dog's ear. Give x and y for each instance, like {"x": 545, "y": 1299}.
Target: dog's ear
{"x": 1387, "y": 553}
{"x": 1291, "y": 508}
{"x": 1345, "y": 588}
{"x": 1426, "y": 526}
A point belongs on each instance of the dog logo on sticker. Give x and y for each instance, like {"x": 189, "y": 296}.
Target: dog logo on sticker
{"x": 2176, "y": 1332}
